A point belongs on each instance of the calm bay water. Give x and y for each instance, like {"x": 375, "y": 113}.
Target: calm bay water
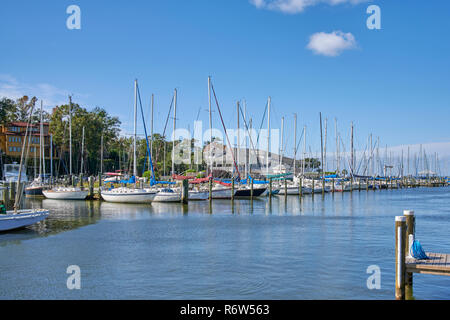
{"x": 319, "y": 248}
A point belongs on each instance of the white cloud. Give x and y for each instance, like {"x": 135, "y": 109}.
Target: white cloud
{"x": 297, "y": 6}
{"x": 51, "y": 96}
{"x": 331, "y": 44}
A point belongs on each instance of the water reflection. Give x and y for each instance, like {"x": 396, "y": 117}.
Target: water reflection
{"x": 173, "y": 251}
{"x": 64, "y": 216}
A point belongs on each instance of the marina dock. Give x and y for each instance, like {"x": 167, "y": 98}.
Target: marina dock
{"x": 438, "y": 264}
{"x": 406, "y": 265}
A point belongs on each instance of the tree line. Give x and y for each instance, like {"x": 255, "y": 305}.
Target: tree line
{"x": 99, "y": 126}
{"x": 101, "y": 137}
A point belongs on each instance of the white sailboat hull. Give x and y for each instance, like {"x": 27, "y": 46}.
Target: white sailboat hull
{"x": 66, "y": 194}
{"x": 294, "y": 190}
{"x": 128, "y": 197}
{"x": 198, "y": 195}
{"x": 222, "y": 193}
{"x": 290, "y": 190}
{"x": 167, "y": 197}
{"x": 23, "y": 218}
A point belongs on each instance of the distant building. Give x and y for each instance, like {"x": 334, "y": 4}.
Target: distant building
{"x": 222, "y": 159}
{"x": 11, "y": 140}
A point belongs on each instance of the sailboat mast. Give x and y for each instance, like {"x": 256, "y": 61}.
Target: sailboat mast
{"x": 295, "y": 142}
{"x": 321, "y": 144}
{"x": 40, "y": 144}
{"x": 371, "y": 156}
{"x": 135, "y": 132}
{"x": 151, "y": 131}
{"x": 70, "y": 135}
{"x": 210, "y": 127}
{"x": 408, "y": 162}
{"x": 101, "y": 154}
{"x": 304, "y": 151}
{"x": 268, "y": 136}
{"x": 82, "y": 151}
{"x": 337, "y": 145}
{"x": 352, "y": 162}
{"x": 246, "y": 140}
{"x": 51, "y": 159}
{"x": 174, "y": 128}
{"x": 23, "y": 154}
{"x": 282, "y": 142}
{"x": 325, "y": 147}
{"x": 238, "y": 145}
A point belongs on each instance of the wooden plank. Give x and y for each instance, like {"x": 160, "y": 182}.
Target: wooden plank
{"x": 438, "y": 264}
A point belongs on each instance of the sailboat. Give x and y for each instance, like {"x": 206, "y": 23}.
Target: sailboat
{"x": 169, "y": 194}
{"x": 15, "y": 219}
{"x": 37, "y": 185}
{"x": 67, "y": 193}
{"x": 131, "y": 195}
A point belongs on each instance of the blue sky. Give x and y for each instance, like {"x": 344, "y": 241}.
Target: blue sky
{"x": 392, "y": 82}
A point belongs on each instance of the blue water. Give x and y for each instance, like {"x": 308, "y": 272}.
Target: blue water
{"x": 319, "y": 248}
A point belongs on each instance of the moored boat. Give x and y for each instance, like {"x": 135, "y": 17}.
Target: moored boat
{"x": 167, "y": 195}
{"x": 11, "y": 220}
{"x": 245, "y": 192}
{"x": 66, "y": 193}
{"x": 128, "y": 195}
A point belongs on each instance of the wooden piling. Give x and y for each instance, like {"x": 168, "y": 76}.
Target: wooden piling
{"x": 367, "y": 184}
{"x": 185, "y": 192}
{"x": 351, "y": 183}
{"x": 312, "y": 194}
{"x": 285, "y": 189}
{"x": 232, "y": 189}
{"x": 270, "y": 189}
{"x": 400, "y": 257}
{"x": 332, "y": 185}
{"x": 100, "y": 185}
{"x": 210, "y": 190}
{"x": 5, "y": 196}
{"x": 300, "y": 191}
{"x": 251, "y": 190}
{"x": 12, "y": 190}
{"x": 91, "y": 187}
{"x": 410, "y": 231}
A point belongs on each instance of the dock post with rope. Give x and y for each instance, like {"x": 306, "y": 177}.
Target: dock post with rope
{"x": 410, "y": 258}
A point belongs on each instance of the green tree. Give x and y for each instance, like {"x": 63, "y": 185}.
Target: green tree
{"x": 8, "y": 110}
{"x": 96, "y": 123}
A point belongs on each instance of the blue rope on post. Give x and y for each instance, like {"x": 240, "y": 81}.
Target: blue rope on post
{"x": 417, "y": 251}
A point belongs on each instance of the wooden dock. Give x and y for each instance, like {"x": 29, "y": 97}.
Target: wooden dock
{"x": 405, "y": 265}
{"x": 439, "y": 264}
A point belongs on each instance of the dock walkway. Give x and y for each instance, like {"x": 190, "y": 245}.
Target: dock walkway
{"x": 438, "y": 264}
{"x": 405, "y": 265}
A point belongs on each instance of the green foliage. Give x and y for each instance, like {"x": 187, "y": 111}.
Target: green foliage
{"x": 117, "y": 150}
{"x": 19, "y": 110}
{"x": 312, "y": 163}
{"x": 96, "y": 123}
